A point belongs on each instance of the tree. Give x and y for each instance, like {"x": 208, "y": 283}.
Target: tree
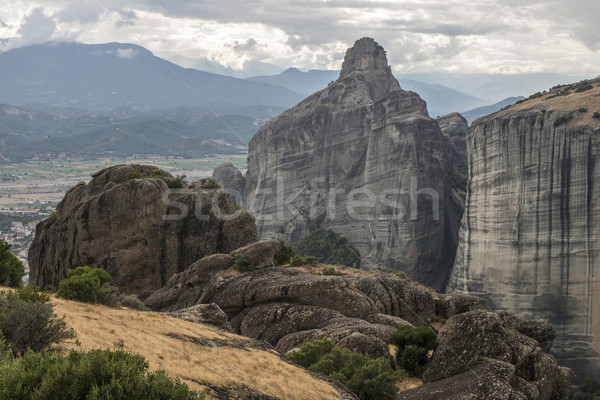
{"x": 12, "y": 269}
{"x": 329, "y": 248}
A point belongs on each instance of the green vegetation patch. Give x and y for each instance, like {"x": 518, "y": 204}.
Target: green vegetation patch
{"x": 329, "y": 248}
{"x": 412, "y": 347}
{"x": 12, "y": 269}
{"x": 459, "y": 180}
{"x": 368, "y": 378}
{"x": 563, "y": 120}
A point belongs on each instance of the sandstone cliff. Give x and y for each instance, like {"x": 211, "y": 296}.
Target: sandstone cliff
{"x": 362, "y": 158}
{"x": 529, "y": 240}
{"x": 118, "y": 224}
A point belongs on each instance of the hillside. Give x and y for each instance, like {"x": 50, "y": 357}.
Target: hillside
{"x": 201, "y": 356}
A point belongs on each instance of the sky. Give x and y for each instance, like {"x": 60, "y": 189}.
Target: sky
{"x": 474, "y": 36}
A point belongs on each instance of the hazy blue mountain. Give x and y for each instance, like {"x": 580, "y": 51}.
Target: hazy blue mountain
{"x": 496, "y": 87}
{"x": 472, "y": 115}
{"x": 441, "y": 100}
{"x": 107, "y": 76}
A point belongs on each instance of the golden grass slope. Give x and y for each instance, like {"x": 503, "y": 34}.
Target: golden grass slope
{"x": 200, "y": 355}
{"x": 572, "y": 102}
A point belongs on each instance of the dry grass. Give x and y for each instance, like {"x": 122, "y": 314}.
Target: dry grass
{"x": 589, "y": 99}
{"x": 195, "y": 364}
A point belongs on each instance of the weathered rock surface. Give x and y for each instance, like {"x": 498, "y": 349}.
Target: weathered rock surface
{"x": 286, "y": 307}
{"x": 362, "y": 158}
{"x": 231, "y": 179}
{"x": 119, "y": 226}
{"x": 261, "y": 253}
{"x": 454, "y": 127}
{"x": 204, "y": 314}
{"x": 530, "y": 237}
{"x": 480, "y": 355}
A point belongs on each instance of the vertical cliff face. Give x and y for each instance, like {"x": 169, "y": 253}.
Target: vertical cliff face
{"x": 530, "y": 236}
{"x": 363, "y": 158}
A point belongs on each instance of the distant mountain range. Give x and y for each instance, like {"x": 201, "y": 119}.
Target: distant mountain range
{"x": 479, "y": 112}
{"x": 107, "y": 76}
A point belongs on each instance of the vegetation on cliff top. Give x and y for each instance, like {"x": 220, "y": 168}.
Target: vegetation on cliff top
{"x": 329, "y": 248}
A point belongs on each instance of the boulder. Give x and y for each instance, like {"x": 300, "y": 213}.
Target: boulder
{"x": 449, "y": 305}
{"x": 138, "y": 229}
{"x": 261, "y": 253}
{"x": 480, "y": 355}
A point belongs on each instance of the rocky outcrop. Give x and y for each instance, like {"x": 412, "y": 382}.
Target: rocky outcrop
{"x": 530, "y": 236}
{"x": 136, "y": 229}
{"x": 287, "y": 307}
{"x": 454, "y": 127}
{"x": 210, "y": 314}
{"x": 231, "y": 179}
{"x": 362, "y": 158}
{"x": 482, "y": 355}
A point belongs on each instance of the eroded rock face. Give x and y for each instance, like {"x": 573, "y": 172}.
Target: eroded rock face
{"x": 118, "y": 225}
{"x": 287, "y": 307}
{"x": 529, "y": 241}
{"x": 454, "y": 127}
{"x": 481, "y": 355}
{"x": 231, "y": 179}
{"x": 361, "y": 139}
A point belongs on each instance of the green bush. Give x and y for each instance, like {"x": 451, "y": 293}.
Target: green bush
{"x": 85, "y": 284}
{"x": 583, "y": 110}
{"x": 134, "y": 174}
{"x": 109, "y": 185}
{"x": 297, "y": 260}
{"x": 459, "y": 180}
{"x": 98, "y": 374}
{"x": 413, "y": 360}
{"x": 563, "y": 120}
{"x": 28, "y": 322}
{"x": 30, "y": 294}
{"x": 421, "y": 336}
{"x": 596, "y": 115}
{"x": 242, "y": 263}
{"x": 284, "y": 254}
{"x": 589, "y": 389}
{"x": 366, "y": 377}
{"x": 52, "y": 218}
{"x": 329, "y": 248}
{"x": 12, "y": 269}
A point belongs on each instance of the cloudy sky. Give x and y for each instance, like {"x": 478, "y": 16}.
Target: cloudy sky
{"x": 505, "y": 36}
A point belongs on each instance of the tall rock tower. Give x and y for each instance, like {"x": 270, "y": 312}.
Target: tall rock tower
{"x": 363, "y": 158}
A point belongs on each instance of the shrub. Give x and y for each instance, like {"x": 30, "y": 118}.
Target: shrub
{"x": 589, "y": 389}
{"x": 133, "y": 302}
{"x": 329, "y": 248}
{"x": 297, "y": 260}
{"x": 413, "y": 360}
{"x": 134, "y": 174}
{"x": 366, "y": 377}
{"x": 583, "y": 110}
{"x": 242, "y": 263}
{"x": 311, "y": 352}
{"x": 329, "y": 270}
{"x": 421, "y": 336}
{"x": 596, "y": 115}
{"x": 85, "y": 284}
{"x": 284, "y": 255}
{"x": 28, "y": 322}
{"x": 109, "y": 185}
{"x": 30, "y": 294}
{"x": 459, "y": 180}
{"x": 582, "y": 87}
{"x": 175, "y": 183}
{"x": 563, "y": 120}
{"x": 12, "y": 269}
{"x": 98, "y": 374}
{"x": 52, "y": 218}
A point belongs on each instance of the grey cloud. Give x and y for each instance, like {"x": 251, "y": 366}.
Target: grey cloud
{"x": 244, "y": 46}
{"x": 82, "y": 12}
{"x": 36, "y": 27}
{"x": 127, "y": 14}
